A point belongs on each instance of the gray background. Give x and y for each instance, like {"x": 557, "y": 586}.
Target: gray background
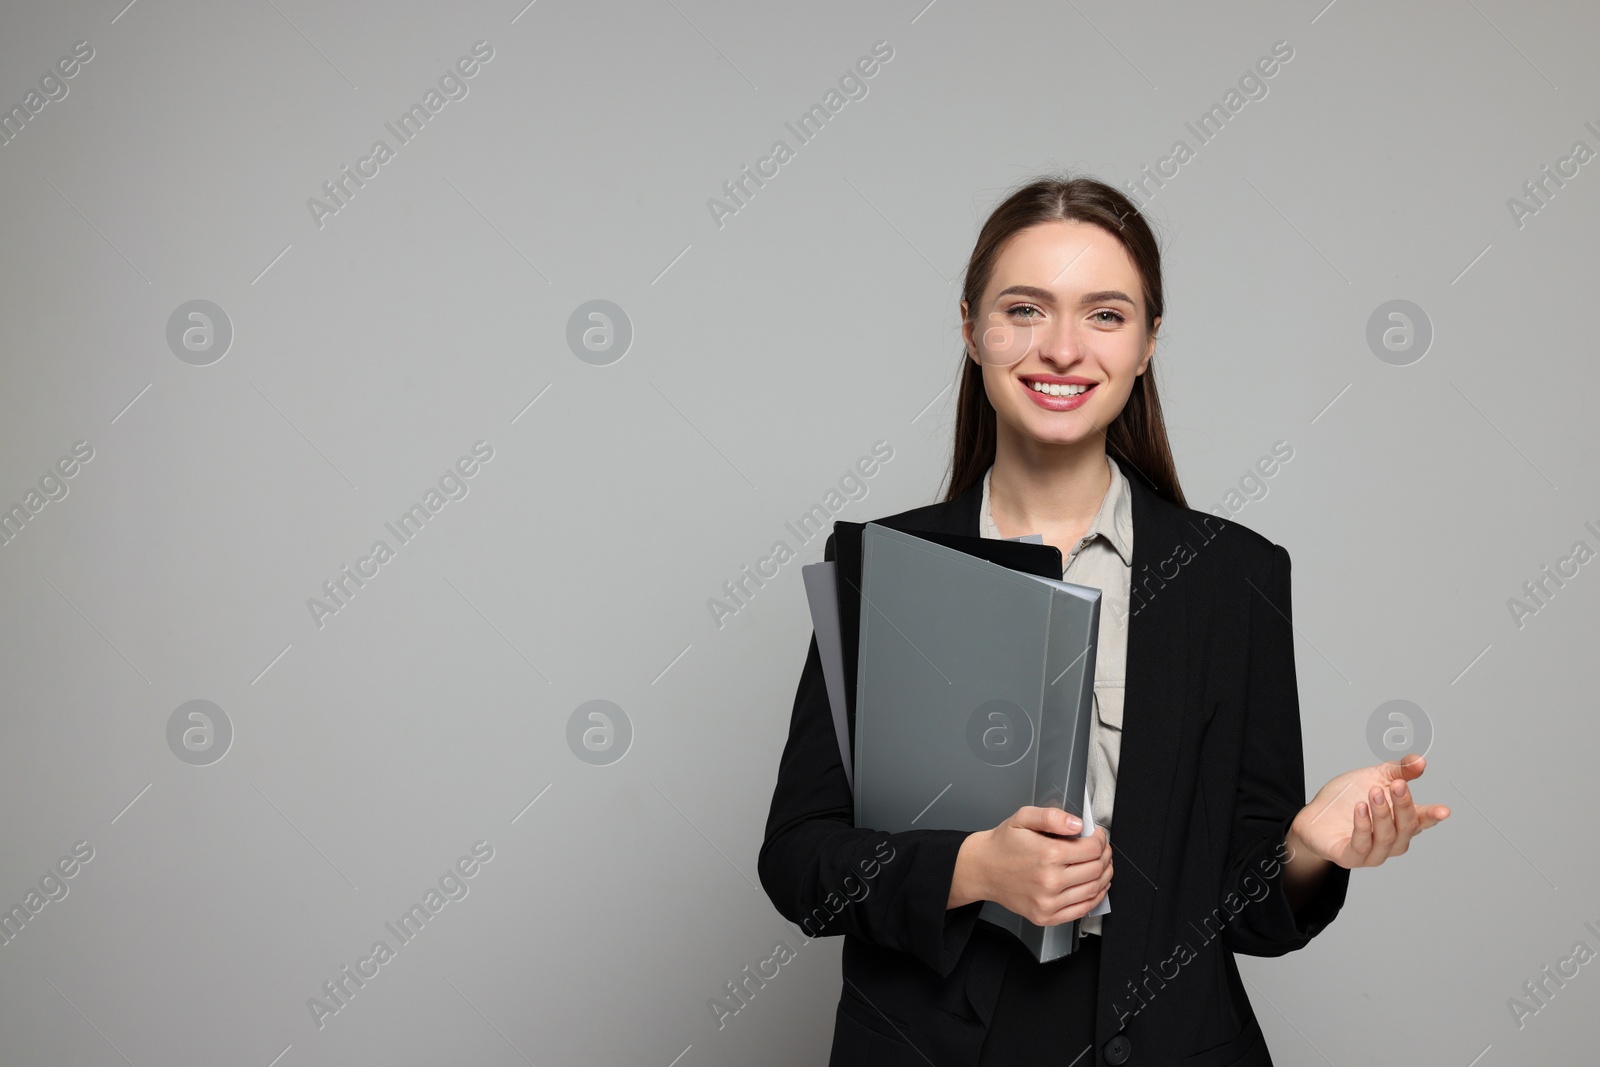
{"x": 768, "y": 355}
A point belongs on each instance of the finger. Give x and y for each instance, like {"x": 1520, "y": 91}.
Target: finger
{"x": 1432, "y": 815}
{"x": 1057, "y": 907}
{"x": 1047, "y": 820}
{"x": 1074, "y": 849}
{"x": 1086, "y": 898}
{"x": 1361, "y": 834}
{"x": 1080, "y": 863}
{"x": 1406, "y": 820}
{"x": 1085, "y": 869}
{"x": 1106, "y": 874}
{"x": 1410, "y": 766}
{"x": 1077, "y": 883}
{"x": 1382, "y": 824}
{"x": 1074, "y": 902}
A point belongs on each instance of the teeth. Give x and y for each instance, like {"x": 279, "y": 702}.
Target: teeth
{"x": 1057, "y": 390}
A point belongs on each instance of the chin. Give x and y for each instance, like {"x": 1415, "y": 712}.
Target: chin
{"x": 1053, "y": 433}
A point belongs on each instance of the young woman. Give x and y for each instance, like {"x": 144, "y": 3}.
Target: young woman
{"x": 1195, "y": 755}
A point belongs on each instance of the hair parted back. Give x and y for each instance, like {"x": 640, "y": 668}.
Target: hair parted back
{"x": 1137, "y": 437}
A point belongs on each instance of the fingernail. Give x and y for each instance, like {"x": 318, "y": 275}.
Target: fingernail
{"x": 1399, "y": 789}
{"x": 1380, "y": 798}
{"x": 1074, "y": 823}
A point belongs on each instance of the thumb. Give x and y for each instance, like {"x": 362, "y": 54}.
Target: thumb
{"x": 1410, "y": 766}
{"x": 1046, "y": 820}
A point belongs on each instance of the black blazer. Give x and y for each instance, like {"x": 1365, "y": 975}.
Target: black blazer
{"x": 1209, "y": 778}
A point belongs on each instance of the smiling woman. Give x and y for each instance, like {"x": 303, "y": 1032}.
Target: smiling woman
{"x": 1194, "y": 755}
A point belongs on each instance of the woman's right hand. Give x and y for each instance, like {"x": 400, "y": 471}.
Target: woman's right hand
{"x": 1033, "y": 864}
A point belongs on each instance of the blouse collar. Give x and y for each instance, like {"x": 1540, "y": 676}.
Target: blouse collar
{"x": 1114, "y": 520}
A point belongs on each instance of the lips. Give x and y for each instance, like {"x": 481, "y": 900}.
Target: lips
{"x": 1058, "y": 403}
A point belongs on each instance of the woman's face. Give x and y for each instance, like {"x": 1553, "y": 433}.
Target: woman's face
{"x": 1064, "y": 310}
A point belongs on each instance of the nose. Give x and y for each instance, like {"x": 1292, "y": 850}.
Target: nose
{"x": 1058, "y": 343}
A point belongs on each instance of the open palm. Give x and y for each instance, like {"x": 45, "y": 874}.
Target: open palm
{"x": 1364, "y": 816}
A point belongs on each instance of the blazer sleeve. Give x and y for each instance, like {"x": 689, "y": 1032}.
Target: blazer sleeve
{"x": 830, "y": 877}
{"x": 1271, "y": 788}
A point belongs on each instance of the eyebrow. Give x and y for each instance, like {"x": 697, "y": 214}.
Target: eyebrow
{"x": 1047, "y": 296}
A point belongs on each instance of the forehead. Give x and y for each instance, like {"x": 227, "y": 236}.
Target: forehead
{"x": 1065, "y": 256}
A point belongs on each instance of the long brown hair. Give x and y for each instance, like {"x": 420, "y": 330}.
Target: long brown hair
{"x": 1137, "y": 437}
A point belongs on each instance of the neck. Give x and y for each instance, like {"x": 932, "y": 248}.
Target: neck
{"x": 1034, "y": 486}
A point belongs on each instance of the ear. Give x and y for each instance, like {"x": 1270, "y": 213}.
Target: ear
{"x": 966, "y": 333}
{"x": 1149, "y": 348}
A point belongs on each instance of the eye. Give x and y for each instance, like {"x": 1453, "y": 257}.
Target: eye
{"x": 1116, "y": 316}
{"x": 1017, "y": 308}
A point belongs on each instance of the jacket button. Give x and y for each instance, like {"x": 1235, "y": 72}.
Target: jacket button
{"x": 1118, "y": 1049}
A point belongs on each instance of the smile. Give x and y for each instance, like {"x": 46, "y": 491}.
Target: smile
{"x": 1057, "y": 390}
{"x": 1057, "y": 396}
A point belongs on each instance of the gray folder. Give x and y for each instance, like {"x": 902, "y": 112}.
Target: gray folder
{"x": 974, "y": 694}
{"x": 822, "y": 595}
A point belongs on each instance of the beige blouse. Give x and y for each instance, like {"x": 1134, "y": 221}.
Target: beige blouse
{"x": 1102, "y": 558}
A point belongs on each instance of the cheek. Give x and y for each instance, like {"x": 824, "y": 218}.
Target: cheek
{"x": 1123, "y": 352}
{"x": 1122, "y": 365}
{"x": 1006, "y": 397}
{"x": 1123, "y": 370}
{"x": 997, "y": 384}
{"x": 1116, "y": 396}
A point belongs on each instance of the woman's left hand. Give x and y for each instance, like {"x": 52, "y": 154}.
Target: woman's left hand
{"x": 1364, "y": 816}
